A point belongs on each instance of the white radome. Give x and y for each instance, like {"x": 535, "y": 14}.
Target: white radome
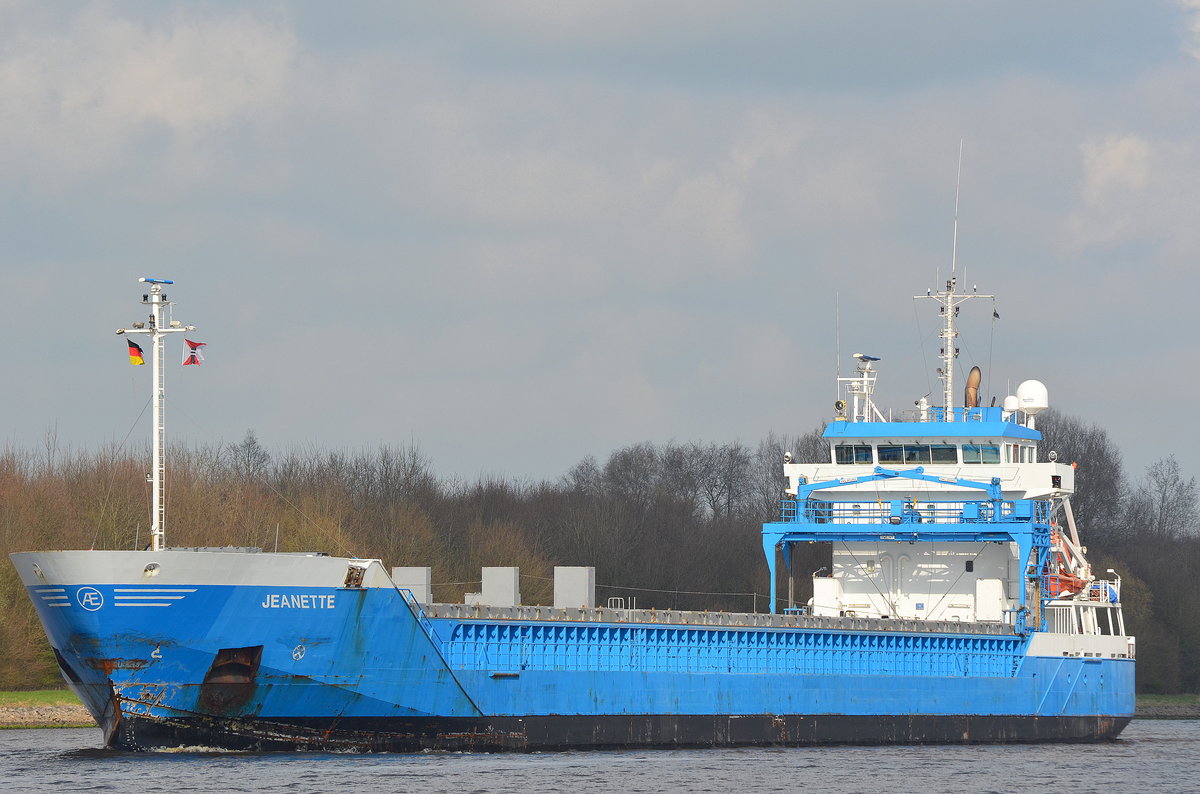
{"x": 1033, "y": 397}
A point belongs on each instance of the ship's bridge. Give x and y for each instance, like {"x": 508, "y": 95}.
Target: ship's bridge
{"x": 983, "y": 442}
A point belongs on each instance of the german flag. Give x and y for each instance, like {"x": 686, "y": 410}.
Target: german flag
{"x": 135, "y": 353}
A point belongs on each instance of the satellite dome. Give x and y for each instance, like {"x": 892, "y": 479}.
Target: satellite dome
{"x": 1032, "y": 397}
{"x": 1012, "y": 404}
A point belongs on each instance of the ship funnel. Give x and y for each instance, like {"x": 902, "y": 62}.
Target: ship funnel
{"x": 971, "y": 392}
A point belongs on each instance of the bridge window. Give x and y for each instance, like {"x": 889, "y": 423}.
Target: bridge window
{"x": 981, "y": 453}
{"x": 944, "y": 453}
{"x": 852, "y": 453}
{"x": 892, "y": 453}
{"x": 919, "y": 454}
{"x": 905, "y": 453}
{"x": 916, "y": 453}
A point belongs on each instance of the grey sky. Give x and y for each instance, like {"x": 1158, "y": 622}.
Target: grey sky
{"x": 525, "y": 232}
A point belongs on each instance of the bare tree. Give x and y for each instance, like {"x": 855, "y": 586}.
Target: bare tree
{"x": 249, "y": 458}
{"x": 1099, "y": 480}
{"x": 1165, "y": 505}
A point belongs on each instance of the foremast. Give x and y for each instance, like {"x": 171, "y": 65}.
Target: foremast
{"x": 157, "y": 326}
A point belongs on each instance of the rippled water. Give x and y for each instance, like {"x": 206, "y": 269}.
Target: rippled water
{"x": 1152, "y": 755}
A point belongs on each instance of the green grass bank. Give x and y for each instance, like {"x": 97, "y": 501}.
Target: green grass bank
{"x": 43, "y": 708}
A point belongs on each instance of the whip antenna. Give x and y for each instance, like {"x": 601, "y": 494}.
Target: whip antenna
{"x": 957, "y": 187}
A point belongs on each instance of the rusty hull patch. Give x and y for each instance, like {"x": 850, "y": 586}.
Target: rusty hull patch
{"x": 231, "y": 680}
{"x": 106, "y": 666}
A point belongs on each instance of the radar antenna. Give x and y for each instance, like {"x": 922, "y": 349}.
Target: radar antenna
{"x": 859, "y": 389}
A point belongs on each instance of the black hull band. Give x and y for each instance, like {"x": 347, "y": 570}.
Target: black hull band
{"x": 523, "y": 734}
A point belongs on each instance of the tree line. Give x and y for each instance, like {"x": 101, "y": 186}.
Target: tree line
{"x": 672, "y": 525}
{"x": 1147, "y": 529}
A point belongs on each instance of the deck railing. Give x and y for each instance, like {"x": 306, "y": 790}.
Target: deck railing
{"x": 1061, "y": 620}
{"x": 895, "y": 511}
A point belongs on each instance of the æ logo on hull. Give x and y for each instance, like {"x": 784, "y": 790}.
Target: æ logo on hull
{"x": 89, "y": 598}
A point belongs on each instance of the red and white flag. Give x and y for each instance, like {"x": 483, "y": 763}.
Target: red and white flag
{"x": 192, "y": 354}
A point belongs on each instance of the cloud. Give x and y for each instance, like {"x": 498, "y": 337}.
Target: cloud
{"x": 1136, "y": 201}
{"x": 91, "y": 95}
{"x": 551, "y": 171}
{"x": 601, "y": 21}
{"x": 1114, "y": 166}
{"x": 1192, "y": 14}
{"x": 1115, "y": 172}
{"x": 539, "y": 230}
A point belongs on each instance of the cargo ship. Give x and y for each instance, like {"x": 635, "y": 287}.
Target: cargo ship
{"x": 958, "y": 607}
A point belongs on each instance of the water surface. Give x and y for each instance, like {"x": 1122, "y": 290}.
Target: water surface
{"x": 1152, "y": 755}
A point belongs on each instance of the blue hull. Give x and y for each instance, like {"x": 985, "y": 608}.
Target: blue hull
{"x": 287, "y": 667}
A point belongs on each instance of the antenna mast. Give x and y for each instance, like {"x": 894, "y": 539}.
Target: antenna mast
{"x": 950, "y": 299}
{"x": 157, "y": 328}
{"x": 837, "y": 337}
